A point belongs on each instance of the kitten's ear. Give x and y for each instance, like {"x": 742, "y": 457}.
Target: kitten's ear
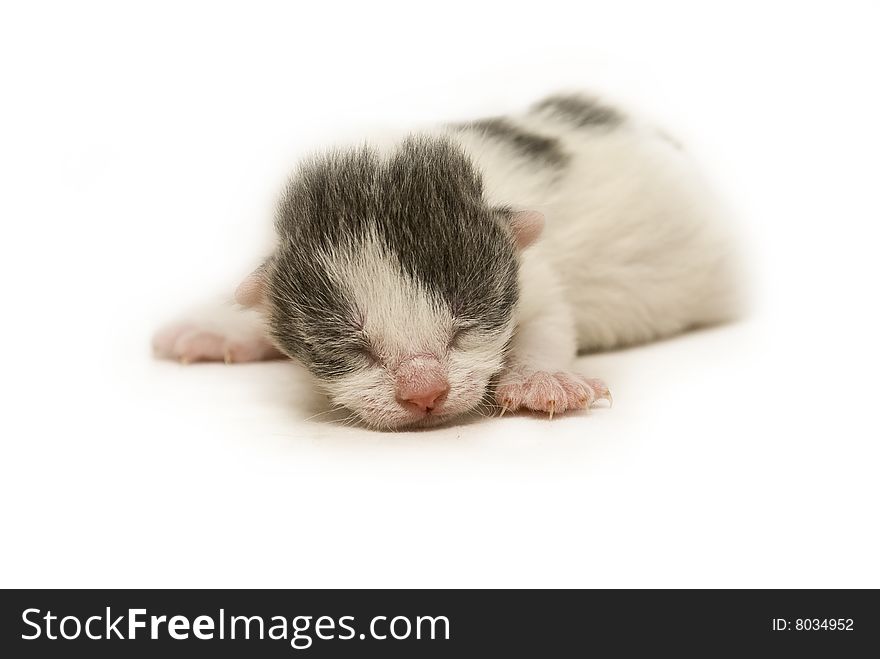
{"x": 252, "y": 291}
{"x": 527, "y": 227}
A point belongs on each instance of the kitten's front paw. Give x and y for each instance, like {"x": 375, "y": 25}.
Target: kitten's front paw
{"x": 543, "y": 391}
{"x": 189, "y": 342}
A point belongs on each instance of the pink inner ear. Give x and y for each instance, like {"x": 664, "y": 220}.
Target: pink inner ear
{"x": 252, "y": 291}
{"x": 526, "y": 226}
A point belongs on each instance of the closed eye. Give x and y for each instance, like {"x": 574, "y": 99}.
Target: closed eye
{"x": 458, "y": 337}
{"x": 367, "y": 352}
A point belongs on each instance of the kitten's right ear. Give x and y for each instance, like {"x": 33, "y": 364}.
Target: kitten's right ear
{"x": 527, "y": 227}
{"x": 252, "y": 291}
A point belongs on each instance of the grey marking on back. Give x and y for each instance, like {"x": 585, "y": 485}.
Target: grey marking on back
{"x": 529, "y": 144}
{"x": 581, "y": 111}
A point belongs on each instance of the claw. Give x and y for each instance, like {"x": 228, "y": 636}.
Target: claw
{"x": 185, "y": 360}
{"x": 503, "y": 410}
{"x": 227, "y": 356}
{"x": 552, "y": 407}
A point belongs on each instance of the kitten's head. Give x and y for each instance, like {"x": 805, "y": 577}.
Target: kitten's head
{"x": 393, "y": 281}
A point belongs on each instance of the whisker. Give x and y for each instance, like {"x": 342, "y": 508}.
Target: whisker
{"x": 332, "y": 409}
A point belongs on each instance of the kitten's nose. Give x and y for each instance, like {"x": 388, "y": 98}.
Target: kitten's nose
{"x": 426, "y": 399}
{"x": 421, "y": 382}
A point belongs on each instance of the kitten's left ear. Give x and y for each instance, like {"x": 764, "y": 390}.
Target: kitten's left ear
{"x": 252, "y": 291}
{"x": 527, "y": 227}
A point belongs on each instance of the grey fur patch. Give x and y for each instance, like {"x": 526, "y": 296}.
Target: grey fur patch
{"x": 424, "y": 202}
{"x": 581, "y": 111}
{"x": 548, "y": 150}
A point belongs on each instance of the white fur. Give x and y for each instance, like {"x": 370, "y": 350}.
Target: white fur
{"x": 402, "y": 319}
{"x": 634, "y": 248}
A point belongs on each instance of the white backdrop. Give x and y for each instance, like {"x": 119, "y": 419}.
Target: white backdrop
{"x": 141, "y": 150}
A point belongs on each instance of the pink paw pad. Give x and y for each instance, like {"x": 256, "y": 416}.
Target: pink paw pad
{"x": 552, "y": 393}
{"x": 188, "y": 343}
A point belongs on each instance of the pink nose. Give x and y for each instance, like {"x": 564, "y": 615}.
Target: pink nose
{"x": 426, "y": 399}
{"x": 421, "y": 383}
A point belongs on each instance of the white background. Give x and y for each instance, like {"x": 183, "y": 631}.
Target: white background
{"x": 141, "y": 150}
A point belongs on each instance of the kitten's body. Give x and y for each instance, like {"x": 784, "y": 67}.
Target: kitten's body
{"x": 632, "y": 242}
{"x": 632, "y": 250}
